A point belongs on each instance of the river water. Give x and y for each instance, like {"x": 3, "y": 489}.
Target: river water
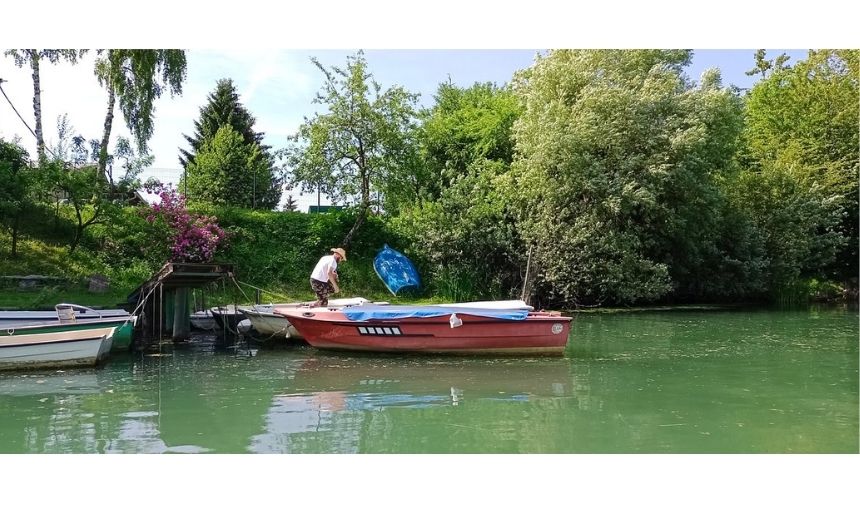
{"x": 683, "y": 381}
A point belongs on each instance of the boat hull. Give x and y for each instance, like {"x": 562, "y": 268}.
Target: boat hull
{"x": 12, "y": 318}
{"x": 122, "y": 337}
{"x": 203, "y": 321}
{"x": 537, "y": 334}
{"x": 53, "y": 350}
{"x": 266, "y": 321}
{"x": 271, "y": 324}
{"x": 227, "y": 318}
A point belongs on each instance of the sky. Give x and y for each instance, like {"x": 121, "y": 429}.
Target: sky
{"x": 277, "y": 86}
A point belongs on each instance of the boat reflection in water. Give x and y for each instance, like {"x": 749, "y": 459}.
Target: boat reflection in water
{"x": 40, "y": 384}
{"x": 345, "y": 404}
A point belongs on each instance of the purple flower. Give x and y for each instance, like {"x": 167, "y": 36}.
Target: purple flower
{"x": 194, "y": 238}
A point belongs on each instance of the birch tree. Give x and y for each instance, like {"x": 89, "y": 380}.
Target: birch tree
{"x": 33, "y": 58}
{"x": 137, "y": 77}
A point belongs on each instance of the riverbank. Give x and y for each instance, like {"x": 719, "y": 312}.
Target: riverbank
{"x": 271, "y": 250}
{"x": 45, "y": 298}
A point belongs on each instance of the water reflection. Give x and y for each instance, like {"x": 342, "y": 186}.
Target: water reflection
{"x": 50, "y": 383}
{"x": 652, "y": 382}
{"x": 334, "y": 403}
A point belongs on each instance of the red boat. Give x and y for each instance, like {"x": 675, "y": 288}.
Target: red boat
{"x": 433, "y": 329}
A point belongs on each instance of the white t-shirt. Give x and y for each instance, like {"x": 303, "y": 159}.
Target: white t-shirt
{"x": 325, "y": 264}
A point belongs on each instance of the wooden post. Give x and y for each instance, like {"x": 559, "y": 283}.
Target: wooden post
{"x": 181, "y": 320}
{"x": 527, "y": 292}
{"x": 160, "y": 312}
{"x": 169, "y": 298}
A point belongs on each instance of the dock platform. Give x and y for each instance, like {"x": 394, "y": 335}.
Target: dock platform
{"x": 165, "y": 298}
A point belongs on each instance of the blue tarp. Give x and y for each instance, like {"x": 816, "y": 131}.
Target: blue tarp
{"x": 395, "y": 270}
{"x": 369, "y": 312}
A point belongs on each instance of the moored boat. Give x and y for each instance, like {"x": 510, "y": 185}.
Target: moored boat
{"x": 266, "y": 321}
{"x": 203, "y": 320}
{"x": 56, "y": 349}
{"x": 68, "y": 317}
{"x": 9, "y": 318}
{"x": 228, "y": 316}
{"x": 432, "y": 329}
{"x": 122, "y": 337}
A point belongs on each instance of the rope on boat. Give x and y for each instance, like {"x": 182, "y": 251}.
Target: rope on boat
{"x": 140, "y": 305}
{"x": 277, "y": 295}
{"x": 233, "y": 278}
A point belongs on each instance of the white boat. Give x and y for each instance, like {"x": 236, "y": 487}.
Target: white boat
{"x": 54, "y": 350}
{"x": 14, "y": 318}
{"x": 203, "y": 320}
{"x": 228, "y": 316}
{"x": 266, "y": 322}
{"x": 493, "y": 304}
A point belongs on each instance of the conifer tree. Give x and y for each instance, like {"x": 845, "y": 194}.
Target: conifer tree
{"x": 224, "y": 109}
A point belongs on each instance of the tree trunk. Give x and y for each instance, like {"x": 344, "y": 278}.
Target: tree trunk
{"x": 15, "y": 226}
{"x": 37, "y": 105}
{"x": 75, "y": 240}
{"x": 362, "y": 217}
{"x": 106, "y": 137}
{"x": 79, "y": 231}
{"x": 365, "y": 198}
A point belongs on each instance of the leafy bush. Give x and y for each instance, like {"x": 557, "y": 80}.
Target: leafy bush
{"x": 281, "y": 248}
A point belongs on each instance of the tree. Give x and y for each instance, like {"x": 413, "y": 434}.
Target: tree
{"x": 465, "y": 125}
{"x": 613, "y": 183}
{"x": 763, "y": 65}
{"x": 130, "y": 162}
{"x": 33, "y": 57}
{"x": 466, "y": 237}
{"x": 264, "y": 187}
{"x": 124, "y": 161}
{"x": 290, "y": 205}
{"x": 15, "y": 188}
{"x": 227, "y": 171}
{"x": 75, "y": 178}
{"x": 86, "y": 191}
{"x": 222, "y": 108}
{"x": 137, "y": 77}
{"x": 461, "y": 227}
{"x": 801, "y": 142}
{"x": 365, "y": 138}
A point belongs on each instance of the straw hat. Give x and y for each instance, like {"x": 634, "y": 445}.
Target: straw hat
{"x": 339, "y": 251}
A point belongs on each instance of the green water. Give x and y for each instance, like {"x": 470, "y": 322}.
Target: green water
{"x": 647, "y": 382}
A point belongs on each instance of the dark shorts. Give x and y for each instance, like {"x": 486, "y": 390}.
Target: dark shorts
{"x": 322, "y": 290}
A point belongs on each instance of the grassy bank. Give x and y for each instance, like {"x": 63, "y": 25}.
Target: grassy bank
{"x": 273, "y": 251}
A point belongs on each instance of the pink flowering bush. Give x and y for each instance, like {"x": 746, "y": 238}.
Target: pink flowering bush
{"x": 194, "y": 238}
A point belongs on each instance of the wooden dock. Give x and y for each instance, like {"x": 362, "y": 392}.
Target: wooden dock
{"x": 164, "y": 298}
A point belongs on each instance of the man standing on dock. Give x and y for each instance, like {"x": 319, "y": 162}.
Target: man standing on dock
{"x": 324, "y": 276}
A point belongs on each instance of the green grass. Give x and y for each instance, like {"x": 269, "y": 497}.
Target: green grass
{"x": 46, "y": 298}
{"x": 280, "y": 293}
{"x": 274, "y": 251}
{"x": 37, "y": 257}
